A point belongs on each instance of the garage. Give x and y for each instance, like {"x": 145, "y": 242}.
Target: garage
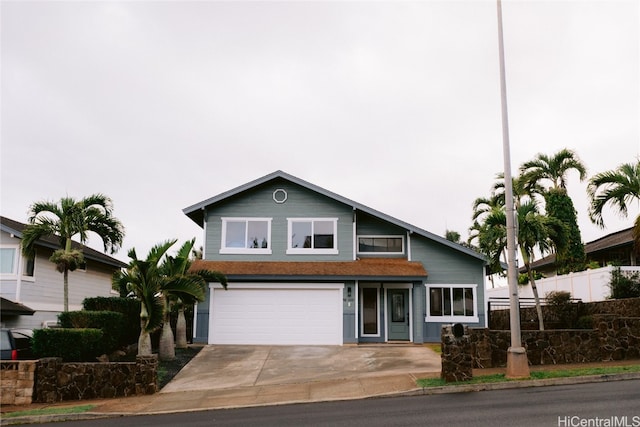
{"x": 276, "y": 314}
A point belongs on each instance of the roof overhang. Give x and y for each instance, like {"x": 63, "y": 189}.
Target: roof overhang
{"x": 364, "y": 269}
{"x": 10, "y": 308}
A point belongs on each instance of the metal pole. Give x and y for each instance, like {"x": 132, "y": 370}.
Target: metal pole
{"x": 517, "y": 364}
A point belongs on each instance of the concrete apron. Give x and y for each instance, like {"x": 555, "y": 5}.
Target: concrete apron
{"x": 222, "y": 367}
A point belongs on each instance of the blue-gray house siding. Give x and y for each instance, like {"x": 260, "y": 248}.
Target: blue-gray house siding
{"x": 442, "y": 262}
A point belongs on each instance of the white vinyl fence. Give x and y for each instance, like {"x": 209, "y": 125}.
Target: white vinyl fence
{"x": 588, "y": 285}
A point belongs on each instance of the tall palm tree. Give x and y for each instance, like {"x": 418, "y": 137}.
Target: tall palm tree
{"x": 553, "y": 168}
{"x": 66, "y": 219}
{"x": 618, "y": 188}
{"x": 176, "y": 268}
{"x": 553, "y": 171}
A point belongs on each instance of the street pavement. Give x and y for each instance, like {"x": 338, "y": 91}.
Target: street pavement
{"x": 243, "y": 376}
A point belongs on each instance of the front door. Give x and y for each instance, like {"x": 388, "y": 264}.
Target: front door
{"x": 398, "y": 312}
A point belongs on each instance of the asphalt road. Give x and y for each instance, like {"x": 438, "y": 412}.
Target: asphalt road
{"x": 615, "y": 403}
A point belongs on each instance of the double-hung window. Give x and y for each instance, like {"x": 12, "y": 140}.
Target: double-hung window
{"x": 452, "y": 303}
{"x": 246, "y": 236}
{"x": 312, "y": 235}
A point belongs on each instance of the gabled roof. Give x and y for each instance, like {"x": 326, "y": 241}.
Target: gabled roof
{"x": 378, "y": 268}
{"x": 16, "y": 228}
{"x": 196, "y": 212}
{"x": 608, "y": 242}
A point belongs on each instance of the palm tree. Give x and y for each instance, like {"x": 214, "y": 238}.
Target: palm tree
{"x": 157, "y": 281}
{"x": 69, "y": 218}
{"x": 553, "y": 170}
{"x": 619, "y": 188}
{"x": 144, "y": 279}
{"x": 534, "y": 231}
{"x": 176, "y": 268}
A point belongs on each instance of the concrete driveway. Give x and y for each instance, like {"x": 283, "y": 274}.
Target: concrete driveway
{"x": 230, "y": 366}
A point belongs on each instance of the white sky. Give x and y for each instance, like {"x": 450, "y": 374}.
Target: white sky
{"x": 395, "y": 105}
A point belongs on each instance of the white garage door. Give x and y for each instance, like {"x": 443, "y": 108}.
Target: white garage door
{"x": 276, "y": 314}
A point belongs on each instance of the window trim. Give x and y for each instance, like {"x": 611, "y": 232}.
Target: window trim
{"x": 376, "y": 236}
{"x": 451, "y": 318}
{"x": 244, "y": 251}
{"x": 312, "y": 251}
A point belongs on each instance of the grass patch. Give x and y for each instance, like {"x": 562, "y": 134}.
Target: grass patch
{"x": 50, "y": 411}
{"x": 437, "y": 347}
{"x": 535, "y": 375}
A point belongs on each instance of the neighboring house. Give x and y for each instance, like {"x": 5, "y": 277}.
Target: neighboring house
{"x": 613, "y": 249}
{"x": 36, "y": 284}
{"x": 590, "y": 285}
{"x": 307, "y": 266}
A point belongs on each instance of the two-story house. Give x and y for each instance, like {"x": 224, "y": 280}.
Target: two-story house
{"x": 308, "y": 266}
{"x": 33, "y": 288}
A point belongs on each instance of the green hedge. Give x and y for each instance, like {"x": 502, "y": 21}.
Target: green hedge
{"x": 111, "y": 323}
{"x": 129, "y": 307}
{"x": 72, "y": 345}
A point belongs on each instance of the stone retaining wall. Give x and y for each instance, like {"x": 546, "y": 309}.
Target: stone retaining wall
{"x": 57, "y": 381}
{"x": 17, "y": 380}
{"x": 628, "y": 307}
{"x": 613, "y": 338}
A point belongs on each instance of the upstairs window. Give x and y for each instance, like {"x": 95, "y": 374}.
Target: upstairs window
{"x": 246, "y": 236}
{"x": 10, "y": 259}
{"x": 313, "y": 235}
{"x": 381, "y": 245}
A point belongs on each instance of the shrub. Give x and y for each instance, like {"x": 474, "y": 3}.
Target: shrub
{"x": 129, "y": 307}
{"x": 584, "y": 322}
{"x": 624, "y": 284}
{"x": 110, "y": 322}
{"x": 72, "y": 345}
{"x": 560, "y": 306}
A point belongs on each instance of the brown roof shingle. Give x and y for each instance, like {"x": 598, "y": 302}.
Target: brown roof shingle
{"x": 373, "y": 267}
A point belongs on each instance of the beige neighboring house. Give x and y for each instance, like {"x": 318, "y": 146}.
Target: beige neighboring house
{"x": 32, "y": 290}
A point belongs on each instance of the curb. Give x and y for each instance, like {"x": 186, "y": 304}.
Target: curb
{"x": 448, "y": 389}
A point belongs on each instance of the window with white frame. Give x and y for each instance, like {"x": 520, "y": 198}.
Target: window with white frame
{"x": 8, "y": 261}
{"x": 246, "y": 236}
{"x": 312, "y": 235}
{"x": 10, "y": 258}
{"x": 452, "y": 303}
{"x": 380, "y": 245}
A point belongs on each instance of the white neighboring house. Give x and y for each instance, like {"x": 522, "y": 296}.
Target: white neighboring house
{"x": 36, "y": 287}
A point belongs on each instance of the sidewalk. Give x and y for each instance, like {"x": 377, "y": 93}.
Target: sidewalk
{"x": 305, "y": 392}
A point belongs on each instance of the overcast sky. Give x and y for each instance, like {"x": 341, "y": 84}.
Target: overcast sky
{"x": 396, "y": 105}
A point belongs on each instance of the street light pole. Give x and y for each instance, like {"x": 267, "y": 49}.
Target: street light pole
{"x": 517, "y": 362}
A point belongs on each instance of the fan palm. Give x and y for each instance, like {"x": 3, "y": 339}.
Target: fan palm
{"x": 618, "y": 188}
{"x": 66, "y": 219}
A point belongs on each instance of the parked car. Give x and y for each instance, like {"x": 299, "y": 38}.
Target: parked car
{"x": 15, "y": 344}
